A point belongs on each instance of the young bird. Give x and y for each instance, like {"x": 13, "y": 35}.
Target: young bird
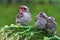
{"x": 24, "y": 16}
{"x": 41, "y": 22}
{"x": 51, "y": 25}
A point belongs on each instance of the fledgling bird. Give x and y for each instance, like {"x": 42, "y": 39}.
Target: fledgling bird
{"x": 41, "y": 22}
{"x": 51, "y": 25}
{"x": 24, "y": 16}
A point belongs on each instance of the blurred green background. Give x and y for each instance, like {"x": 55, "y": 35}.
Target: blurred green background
{"x": 9, "y": 10}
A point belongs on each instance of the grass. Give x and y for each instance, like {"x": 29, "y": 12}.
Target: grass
{"x": 8, "y": 13}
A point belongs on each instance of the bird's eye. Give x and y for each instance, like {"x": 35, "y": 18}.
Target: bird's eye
{"x": 42, "y": 16}
{"x": 24, "y": 8}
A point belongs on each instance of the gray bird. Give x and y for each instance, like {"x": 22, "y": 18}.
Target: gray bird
{"x": 41, "y": 22}
{"x": 24, "y": 16}
{"x": 51, "y": 25}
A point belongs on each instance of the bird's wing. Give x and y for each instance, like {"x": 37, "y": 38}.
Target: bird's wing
{"x": 19, "y": 15}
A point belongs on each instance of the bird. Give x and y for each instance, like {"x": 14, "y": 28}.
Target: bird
{"x": 41, "y": 22}
{"x": 24, "y": 16}
{"x": 51, "y": 25}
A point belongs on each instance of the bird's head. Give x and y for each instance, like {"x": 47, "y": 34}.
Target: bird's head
{"x": 23, "y": 8}
{"x": 51, "y": 19}
{"x": 43, "y": 14}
